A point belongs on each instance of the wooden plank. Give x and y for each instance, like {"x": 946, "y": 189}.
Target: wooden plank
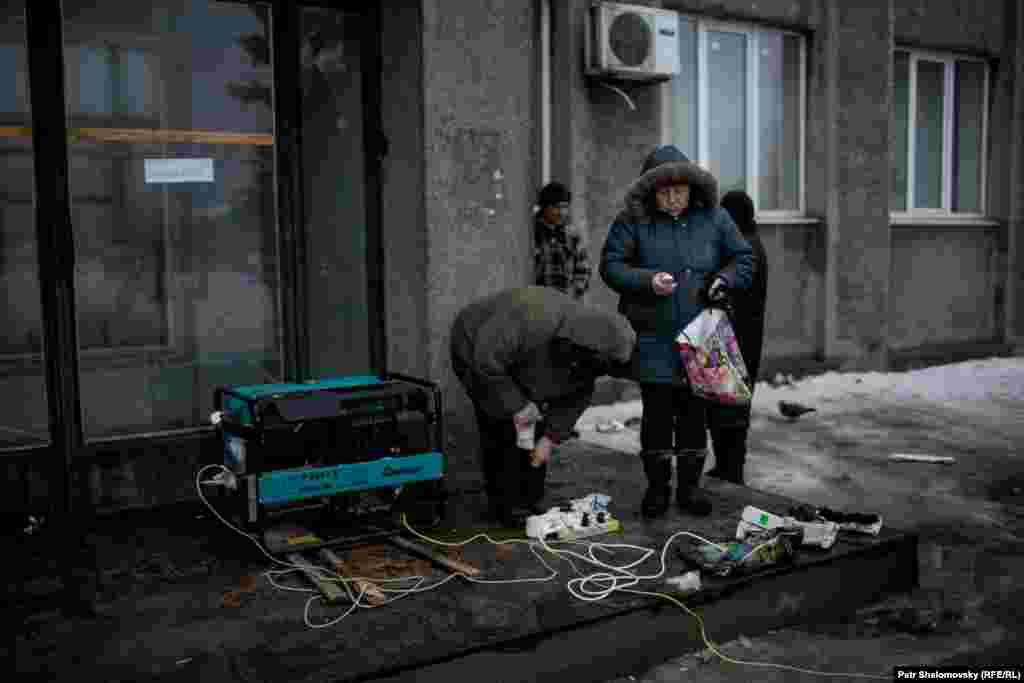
{"x": 21, "y": 132}
{"x": 150, "y": 136}
{"x": 435, "y": 557}
{"x": 331, "y": 591}
{"x": 163, "y": 137}
{"x": 374, "y": 595}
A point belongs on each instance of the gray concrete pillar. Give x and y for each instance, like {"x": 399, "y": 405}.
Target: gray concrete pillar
{"x": 403, "y": 187}
{"x": 480, "y": 74}
{"x": 570, "y": 109}
{"x": 1015, "y": 225}
{"x": 858, "y": 42}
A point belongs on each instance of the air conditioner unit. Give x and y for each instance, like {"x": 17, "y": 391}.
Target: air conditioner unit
{"x": 632, "y": 42}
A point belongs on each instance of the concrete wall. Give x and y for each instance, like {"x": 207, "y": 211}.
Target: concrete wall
{"x": 944, "y": 286}
{"x": 857, "y": 68}
{"x": 1014, "y": 168}
{"x": 969, "y": 26}
{"x": 989, "y": 29}
{"x": 481, "y": 85}
{"x": 794, "y": 327}
{"x": 403, "y": 174}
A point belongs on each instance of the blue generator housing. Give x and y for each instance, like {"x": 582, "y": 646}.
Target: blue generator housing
{"x": 354, "y": 445}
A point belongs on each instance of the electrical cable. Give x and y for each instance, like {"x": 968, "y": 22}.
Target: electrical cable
{"x": 321, "y": 573}
{"x": 578, "y": 588}
{"x": 774, "y": 665}
{"x": 611, "y": 579}
{"x": 324, "y": 574}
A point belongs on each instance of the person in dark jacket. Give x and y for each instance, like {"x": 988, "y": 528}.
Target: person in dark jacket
{"x": 524, "y": 355}
{"x": 729, "y": 425}
{"x": 668, "y": 246}
{"x": 560, "y": 258}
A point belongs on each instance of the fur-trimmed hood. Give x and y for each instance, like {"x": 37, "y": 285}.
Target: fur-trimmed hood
{"x": 666, "y": 165}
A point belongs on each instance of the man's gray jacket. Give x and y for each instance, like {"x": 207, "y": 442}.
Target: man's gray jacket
{"x": 510, "y": 348}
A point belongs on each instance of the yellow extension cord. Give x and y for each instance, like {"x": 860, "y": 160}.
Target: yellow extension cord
{"x": 700, "y": 622}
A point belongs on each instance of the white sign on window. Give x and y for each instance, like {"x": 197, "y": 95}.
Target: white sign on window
{"x": 179, "y": 170}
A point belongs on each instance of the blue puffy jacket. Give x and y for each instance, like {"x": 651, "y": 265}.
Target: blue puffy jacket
{"x": 643, "y": 241}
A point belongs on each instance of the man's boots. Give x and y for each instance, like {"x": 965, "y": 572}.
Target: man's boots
{"x": 531, "y": 487}
{"x": 689, "y": 467}
{"x": 658, "y": 468}
{"x": 730, "y": 454}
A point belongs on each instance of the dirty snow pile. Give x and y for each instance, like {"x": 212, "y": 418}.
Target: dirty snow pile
{"x": 990, "y": 378}
{"x": 964, "y": 386}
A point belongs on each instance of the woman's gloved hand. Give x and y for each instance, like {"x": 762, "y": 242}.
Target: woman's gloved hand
{"x": 663, "y": 284}
{"x": 717, "y": 291}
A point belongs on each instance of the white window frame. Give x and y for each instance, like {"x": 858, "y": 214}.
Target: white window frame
{"x": 752, "y": 33}
{"x": 948, "y": 60}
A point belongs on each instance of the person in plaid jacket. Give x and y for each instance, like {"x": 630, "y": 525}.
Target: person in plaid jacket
{"x": 560, "y": 257}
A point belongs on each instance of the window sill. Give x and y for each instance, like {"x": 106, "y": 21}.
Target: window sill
{"x": 769, "y": 219}
{"x": 943, "y": 221}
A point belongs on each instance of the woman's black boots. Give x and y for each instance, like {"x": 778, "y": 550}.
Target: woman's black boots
{"x": 730, "y": 454}
{"x": 689, "y": 467}
{"x": 658, "y": 468}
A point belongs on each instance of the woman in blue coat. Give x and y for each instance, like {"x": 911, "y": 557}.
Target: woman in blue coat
{"x": 665, "y": 254}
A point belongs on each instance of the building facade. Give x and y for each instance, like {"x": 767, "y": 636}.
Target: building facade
{"x": 203, "y": 193}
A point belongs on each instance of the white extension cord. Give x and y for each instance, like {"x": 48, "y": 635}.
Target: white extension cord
{"x": 594, "y": 587}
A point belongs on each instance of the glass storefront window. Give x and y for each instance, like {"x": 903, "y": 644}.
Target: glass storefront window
{"x": 22, "y": 371}
{"x": 172, "y": 182}
{"x": 940, "y": 115}
{"x": 727, "y": 128}
{"x": 737, "y": 108}
{"x": 779, "y": 116}
{"x": 929, "y": 132}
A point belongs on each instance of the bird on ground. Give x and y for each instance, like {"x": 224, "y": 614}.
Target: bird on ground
{"x": 793, "y": 410}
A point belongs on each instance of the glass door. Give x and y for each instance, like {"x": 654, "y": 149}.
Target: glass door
{"x": 170, "y": 112}
{"x": 24, "y": 421}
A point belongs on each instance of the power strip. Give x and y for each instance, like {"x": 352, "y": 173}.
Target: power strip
{"x": 557, "y": 525}
{"x": 816, "y": 534}
{"x": 575, "y": 533}
{"x": 578, "y": 519}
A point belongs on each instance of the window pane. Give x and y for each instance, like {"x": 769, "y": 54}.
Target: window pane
{"x": 25, "y": 418}
{"x": 684, "y": 92}
{"x": 727, "y": 109}
{"x": 928, "y": 138}
{"x": 901, "y": 124}
{"x": 779, "y": 119}
{"x": 970, "y": 112}
{"x": 334, "y": 177}
{"x": 171, "y": 173}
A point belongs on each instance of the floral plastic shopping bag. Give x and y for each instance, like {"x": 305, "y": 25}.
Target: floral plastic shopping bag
{"x": 712, "y": 359}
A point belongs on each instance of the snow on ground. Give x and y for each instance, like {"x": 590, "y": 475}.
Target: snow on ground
{"x": 964, "y": 387}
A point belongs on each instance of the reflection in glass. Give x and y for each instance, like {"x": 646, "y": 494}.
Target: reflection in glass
{"x": 928, "y": 133}
{"x": 779, "y": 117}
{"x": 24, "y": 419}
{"x": 901, "y": 122}
{"x": 172, "y": 186}
{"x": 334, "y": 178}
{"x": 970, "y": 112}
{"x": 684, "y": 92}
{"x": 727, "y": 109}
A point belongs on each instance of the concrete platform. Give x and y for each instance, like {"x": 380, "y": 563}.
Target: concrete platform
{"x": 165, "y": 575}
